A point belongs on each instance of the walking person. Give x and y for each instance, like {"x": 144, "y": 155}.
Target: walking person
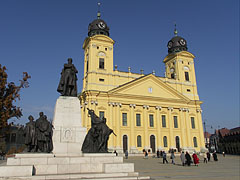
{"x": 172, "y": 156}
{"x": 208, "y": 156}
{"x": 158, "y": 154}
{"x": 182, "y": 157}
{"x": 165, "y": 158}
{"x": 215, "y": 156}
{"x": 205, "y": 158}
{"x": 195, "y": 159}
{"x": 188, "y": 159}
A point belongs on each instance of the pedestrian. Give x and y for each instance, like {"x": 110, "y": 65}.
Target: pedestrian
{"x": 158, "y": 154}
{"x": 161, "y": 153}
{"x": 165, "y": 158}
{"x": 116, "y": 153}
{"x": 223, "y": 153}
{"x": 188, "y": 158}
{"x": 172, "y": 157}
{"x": 205, "y": 157}
{"x": 126, "y": 154}
{"x": 195, "y": 159}
{"x": 215, "y": 156}
{"x": 208, "y": 156}
{"x": 146, "y": 155}
{"x": 182, "y": 157}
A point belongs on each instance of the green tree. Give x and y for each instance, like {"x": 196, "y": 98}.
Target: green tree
{"x": 9, "y": 93}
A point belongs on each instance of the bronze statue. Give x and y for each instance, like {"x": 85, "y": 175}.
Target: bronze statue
{"x": 30, "y": 135}
{"x": 44, "y": 134}
{"x": 97, "y": 137}
{"x": 68, "y": 82}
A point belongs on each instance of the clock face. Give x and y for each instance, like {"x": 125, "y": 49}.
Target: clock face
{"x": 101, "y": 25}
{"x": 172, "y": 70}
{"x": 182, "y": 42}
{"x": 170, "y": 44}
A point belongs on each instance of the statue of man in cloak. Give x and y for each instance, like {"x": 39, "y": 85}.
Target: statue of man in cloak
{"x": 68, "y": 82}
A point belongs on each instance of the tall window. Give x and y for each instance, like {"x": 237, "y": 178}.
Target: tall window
{"x": 139, "y": 141}
{"x": 193, "y": 122}
{"x": 163, "y": 121}
{"x": 138, "y": 119}
{"x": 87, "y": 64}
{"x": 101, "y": 63}
{"x": 165, "y": 141}
{"x": 175, "y": 121}
{"x": 195, "y": 142}
{"x": 124, "y": 119}
{"x": 101, "y": 114}
{"x": 186, "y": 76}
{"x": 151, "y": 120}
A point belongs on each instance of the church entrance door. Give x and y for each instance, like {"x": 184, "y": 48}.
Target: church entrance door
{"x": 125, "y": 143}
{"x": 152, "y": 143}
{"x": 177, "y": 143}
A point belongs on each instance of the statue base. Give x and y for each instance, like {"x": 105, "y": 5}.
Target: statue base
{"x": 44, "y": 166}
{"x": 68, "y": 133}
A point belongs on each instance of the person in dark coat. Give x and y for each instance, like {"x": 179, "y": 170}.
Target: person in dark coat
{"x": 165, "y": 158}
{"x": 215, "y": 156}
{"x": 208, "y": 156}
{"x": 30, "y": 135}
{"x": 188, "y": 159}
{"x": 158, "y": 154}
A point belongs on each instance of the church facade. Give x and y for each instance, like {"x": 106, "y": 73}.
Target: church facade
{"x": 145, "y": 111}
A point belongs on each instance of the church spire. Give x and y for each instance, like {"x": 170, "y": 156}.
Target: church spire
{"x": 98, "y": 13}
{"x": 175, "y": 29}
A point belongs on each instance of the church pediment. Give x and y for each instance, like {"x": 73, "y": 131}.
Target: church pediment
{"x": 151, "y": 87}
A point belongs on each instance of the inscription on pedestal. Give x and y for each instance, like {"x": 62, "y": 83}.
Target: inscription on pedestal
{"x": 68, "y": 135}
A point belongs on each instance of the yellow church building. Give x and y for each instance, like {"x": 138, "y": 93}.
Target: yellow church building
{"x": 144, "y": 110}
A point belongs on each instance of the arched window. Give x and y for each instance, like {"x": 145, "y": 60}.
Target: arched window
{"x": 139, "y": 141}
{"x": 165, "y": 141}
{"x": 186, "y": 76}
{"x": 195, "y": 141}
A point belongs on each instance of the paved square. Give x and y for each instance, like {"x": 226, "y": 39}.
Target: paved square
{"x": 226, "y": 168}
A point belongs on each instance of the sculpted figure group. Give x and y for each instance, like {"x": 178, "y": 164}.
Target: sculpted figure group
{"x": 96, "y": 140}
{"x": 38, "y": 134}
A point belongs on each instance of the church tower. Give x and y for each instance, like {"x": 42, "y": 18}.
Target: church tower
{"x": 98, "y": 56}
{"x": 179, "y": 66}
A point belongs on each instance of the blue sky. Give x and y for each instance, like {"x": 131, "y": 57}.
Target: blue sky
{"x": 38, "y": 36}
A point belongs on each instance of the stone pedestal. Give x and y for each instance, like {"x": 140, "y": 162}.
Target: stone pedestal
{"x": 42, "y": 166}
{"x": 68, "y": 133}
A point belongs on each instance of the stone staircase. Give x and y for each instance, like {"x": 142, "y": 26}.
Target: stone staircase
{"x": 51, "y": 166}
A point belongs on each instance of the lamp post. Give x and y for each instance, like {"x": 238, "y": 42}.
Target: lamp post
{"x": 205, "y": 133}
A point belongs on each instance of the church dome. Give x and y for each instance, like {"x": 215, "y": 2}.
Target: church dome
{"x": 177, "y": 44}
{"x": 98, "y": 26}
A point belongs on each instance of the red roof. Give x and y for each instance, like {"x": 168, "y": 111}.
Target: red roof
{"x": 223, "y": 131}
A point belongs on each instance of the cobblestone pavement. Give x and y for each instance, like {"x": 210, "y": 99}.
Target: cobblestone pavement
{"x": 226, "y": 168}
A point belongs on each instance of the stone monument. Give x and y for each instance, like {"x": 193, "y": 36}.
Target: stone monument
{"x": 66, "y": 160}
{"x": 68, "y": 133}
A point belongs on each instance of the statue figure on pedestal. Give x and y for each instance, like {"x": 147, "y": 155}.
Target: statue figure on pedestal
{"x": 68, "y": 82}
{"x": 97, "y": 137}
{"x": 44, "y": 132}
{"x": 30, "y": 135}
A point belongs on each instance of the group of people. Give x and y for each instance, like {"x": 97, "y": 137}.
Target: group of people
{"x": 38, "y": 134}
{"x": 186, "y": 158}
